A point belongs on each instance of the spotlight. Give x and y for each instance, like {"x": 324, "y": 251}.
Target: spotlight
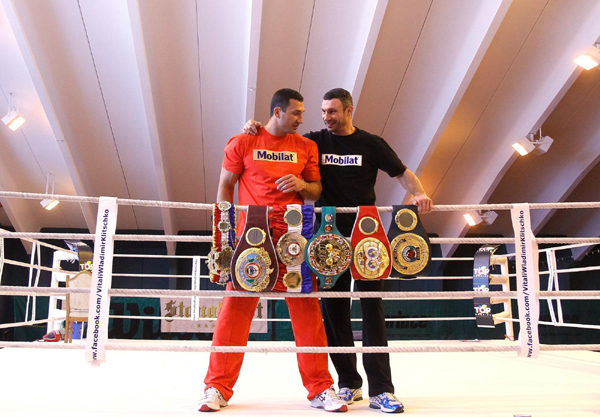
{"x": 523, "y": 146}
{"x": 542, "y": 145}
{"x": 590, "y": 59}
{"x": 473, "y": 218}
{"x": 529, "y": 144}
{"x": 12, "y": 119}
{"x": 47, "y": 203}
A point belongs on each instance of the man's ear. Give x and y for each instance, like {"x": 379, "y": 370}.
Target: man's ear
{"x": 277, "y": 112}
{"x": 350, "y": 110}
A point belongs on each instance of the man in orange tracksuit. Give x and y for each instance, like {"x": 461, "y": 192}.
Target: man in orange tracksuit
{"x": 266, "y": 180}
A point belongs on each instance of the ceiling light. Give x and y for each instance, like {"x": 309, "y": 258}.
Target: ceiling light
{"x": 589, "y": 60}
{"x": 542, "y": 145}
{"x": 473, "y": 218}
{"x": 12, "y": 119}
{"x": 47, "y": 203}
{"x": 523, "y": 146}
{"x": 528, "y": 144}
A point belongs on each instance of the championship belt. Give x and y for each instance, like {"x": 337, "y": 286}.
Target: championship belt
{"x": 481, "y": 283}
{"x": 292, "y": 225}
{"x": 219, "y": 258}
{"x": 328, "y": 253}
{"x": 254, "y": 258}
{"x": 409, "y": 242}
{"x": 371, "y": 258}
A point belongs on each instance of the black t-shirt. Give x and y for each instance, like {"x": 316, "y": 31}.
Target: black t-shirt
{"x": 349, "y": 166}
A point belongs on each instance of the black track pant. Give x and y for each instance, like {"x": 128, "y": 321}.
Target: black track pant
{"x": 336, "y": 315}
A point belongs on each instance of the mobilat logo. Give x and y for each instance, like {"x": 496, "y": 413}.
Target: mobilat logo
{"x": 342, "y": 160}
{"x": 284, "y": 156}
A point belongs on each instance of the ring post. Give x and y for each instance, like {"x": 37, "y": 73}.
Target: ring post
{"x": 528, "y": 281}
{"x": 106, "y": 224}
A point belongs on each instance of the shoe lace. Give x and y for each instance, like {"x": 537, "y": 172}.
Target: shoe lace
{"x": 210, "y": 394}
{"x": 390, "y": 396}
{"x": 332, "y": 394}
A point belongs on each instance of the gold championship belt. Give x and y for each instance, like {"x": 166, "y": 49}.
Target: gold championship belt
{"x": 328, "y": 253}
{"x": 221, "y": 254}
{"x": 292, "y": 224}
{"x": 371, "y": 258}
{"x": 290, "y": 247}
{"x": 410, "y": 248}
{"x": 254, "y": 260}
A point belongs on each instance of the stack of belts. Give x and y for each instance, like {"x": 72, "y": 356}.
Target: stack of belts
{"x": 33, "y": 290}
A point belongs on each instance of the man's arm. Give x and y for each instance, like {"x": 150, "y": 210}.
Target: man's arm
{"x": 309, "y": 190}
{"x": 411, "y": 183}
{"x": 227, "y": 182}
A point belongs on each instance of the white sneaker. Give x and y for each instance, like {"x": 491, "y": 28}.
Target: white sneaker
{"x": 212, "y": 400}
{"x": 350, "y": 395}
{"x": 329, "y": 400}
{"x": 386, "y": 402}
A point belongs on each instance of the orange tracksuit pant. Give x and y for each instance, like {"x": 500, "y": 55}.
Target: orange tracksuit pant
{"x": 233, "y": 329}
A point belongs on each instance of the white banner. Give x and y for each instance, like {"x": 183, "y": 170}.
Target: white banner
{"x": 528, "y": 281}
{"x": 195, "y": 287}
{"x": 179, "y": 311}
{"x": 97, "y": 333}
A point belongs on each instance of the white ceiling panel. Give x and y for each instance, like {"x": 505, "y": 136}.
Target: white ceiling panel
{"x": 137, "y": 99}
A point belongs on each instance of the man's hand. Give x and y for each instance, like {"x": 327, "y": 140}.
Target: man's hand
{"x": 411, "y": 183}
{"x": 251, "y": 127}
{"x": 289, "y": 183}
{"x": 309, "y": 190}
{"x": 423, "y": 202}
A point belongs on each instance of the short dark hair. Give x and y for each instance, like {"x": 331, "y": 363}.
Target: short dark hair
{"x": 343, "y": 95}
{"x": 282, "y": 98}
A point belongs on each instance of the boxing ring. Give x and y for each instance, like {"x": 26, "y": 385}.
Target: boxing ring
{"x": 432, "y": 378}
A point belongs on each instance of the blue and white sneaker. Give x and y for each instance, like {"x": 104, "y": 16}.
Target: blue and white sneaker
{"x": 386, "y": 402}
{"x": 350, "y": 395}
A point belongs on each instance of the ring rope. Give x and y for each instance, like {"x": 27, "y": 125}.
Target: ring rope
{"x": 130, "y": 255}
{"x": 203, "y": 206}
{"x": 197, "y": 238}
{"x": 39, "y": 267}
{"x": 555, "y": 324}
{"x": 112, "y": 345}
{"x": 48, "y": 245}
{"x": 29, "y": 323}
{"x": 422, "y": 295}
{"x": 287, "y": 320}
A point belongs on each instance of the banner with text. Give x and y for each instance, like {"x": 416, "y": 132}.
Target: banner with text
{"x": 528, "y": 281}
{"x": 97, "y": 334}
{"x": 178, "y": 311}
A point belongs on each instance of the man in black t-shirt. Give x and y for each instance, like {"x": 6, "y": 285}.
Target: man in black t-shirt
{"x": 349, "y": 159}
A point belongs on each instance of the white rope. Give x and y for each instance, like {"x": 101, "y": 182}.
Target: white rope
{"x": 555, "y": 324}
{"x": 418, "y": 295}
{"x": 120, "y": 255}
{"x": 468, "y": 347}
{"x": 48, "y": 245}
{"x": 197, "y": 238}
{"x": 287, "y": 320}
{"x": 29, "y": 323}
{"x": 203, "y": 206}
{"x": 154, "y": 276}
{"x": 31, "y": 266}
